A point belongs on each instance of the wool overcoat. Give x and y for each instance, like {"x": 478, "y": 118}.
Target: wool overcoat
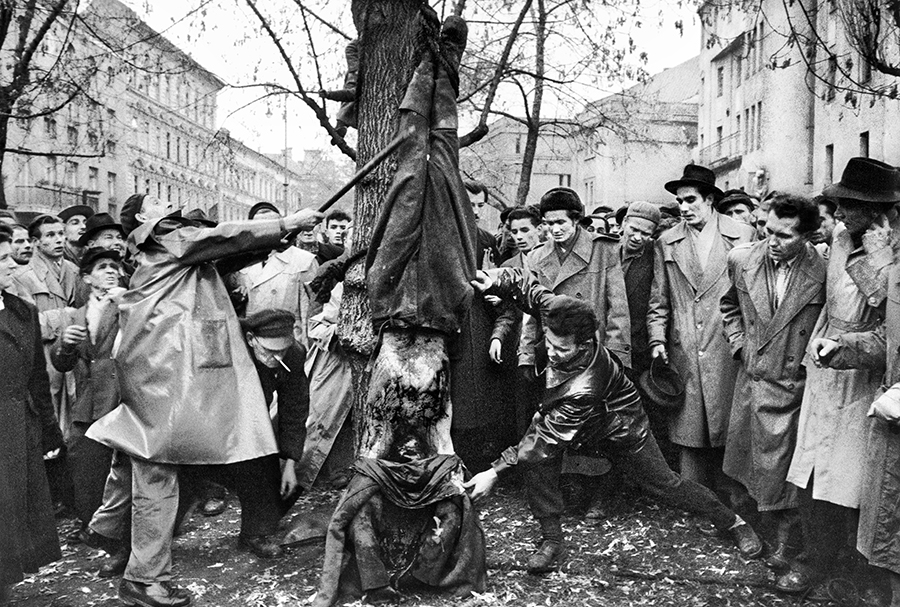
{"x": 684, "y": 316}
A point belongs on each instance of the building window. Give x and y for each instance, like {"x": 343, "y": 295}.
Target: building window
{"x": 50, "y": 127}
{"x": 146, "y": 186}
{"x": 187, "y": 154}
{"x": 751, "y": 127}
{"x": 110, "y": 76}
{"x": 738, "y": 68}
{"x": 168, "y": 146}
{"x": 72, "y": 135}
{"x": 159, "y": 189}
{"x": 518, "y": 144}
{"x": 93, "y": 140}
{"x": 759, "y": 125}
{"x": 111, "y": 184}
{"x": 864, "y": 144}
{"x": 71, "y": 173}
{"x": 110, "y": 148}
{"x": 760, "y": 48}
{"x": 746, "y": 130}
{"x": 110, "y": 116}
{"x": 169, "y": 193}
{"x": 178, "y": 150}
{"x": 565, "y": 181}
{"x": 720, "y": 81}
{"x": 737, "y": 130}
{"x": 831, "y": 79}
{"x": 93, "y": 178}
{"x": 829, "y": 164}
{"x": 136, "y": 184}
{"x": 52, "y": 175}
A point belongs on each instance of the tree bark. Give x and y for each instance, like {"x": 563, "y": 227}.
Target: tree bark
{"x": 389, "y": 34}
{"x": 534, "y": 121}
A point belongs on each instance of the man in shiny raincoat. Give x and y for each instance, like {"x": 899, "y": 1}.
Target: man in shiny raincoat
{"x": 190, "y": 392}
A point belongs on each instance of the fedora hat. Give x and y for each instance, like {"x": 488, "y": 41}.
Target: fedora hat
{"x": 867, "y": 180}
{"x": 696, "y": 176}
{"x": 98, "y": 223}
{"x": 78, "y": 209}
{"x": 663, "y": 386}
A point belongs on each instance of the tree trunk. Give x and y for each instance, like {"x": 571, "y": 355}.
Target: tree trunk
{"x": 534, "y": 122}
{"x": 4, "y": 136}
{"x": 389, "y": 31}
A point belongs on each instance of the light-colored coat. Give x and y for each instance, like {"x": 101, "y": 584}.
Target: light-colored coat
{"x": 591, "y": 272}
{"x": 190, "y": 392}
{"x": 684, "y": 316}
{"x": 833, "y": 427}
{"x": 278, "y": 283}
{"x": 771, "y": 343}
{"x": 878, "y": 536}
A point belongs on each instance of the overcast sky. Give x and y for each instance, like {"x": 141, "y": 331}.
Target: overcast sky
{"x": 261, "y": 125}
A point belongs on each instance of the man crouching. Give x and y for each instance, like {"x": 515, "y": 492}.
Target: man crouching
{"x": 590, "y": 403}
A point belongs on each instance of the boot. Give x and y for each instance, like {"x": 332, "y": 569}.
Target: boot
{"x": 547, "y": 557}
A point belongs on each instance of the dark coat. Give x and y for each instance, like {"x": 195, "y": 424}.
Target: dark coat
{"x": 292, "y": 389}
{"x": 762, "y": 431}
{"x": 878, "y": 535}
{"x": 592, "y": 406}
{"x": 591, "y": 271}
{"x": 28, "y": 429}
{"x": 96, "y": 383}
{"x": 684, "y": 316}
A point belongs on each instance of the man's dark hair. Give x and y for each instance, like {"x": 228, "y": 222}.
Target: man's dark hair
{"x": 807, "y": 211}
{"x": 569, "y": 316}
{"x": 476, "y": 187}
{"x": 531, "y": 213}
{"x": 34, "y": 228}
{"x": 337, "y": 215}
{"x": 6, "y": 233}
{"x": 829, "y": 204}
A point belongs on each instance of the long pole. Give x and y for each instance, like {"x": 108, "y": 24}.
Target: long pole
{"x": 287, "y": 202}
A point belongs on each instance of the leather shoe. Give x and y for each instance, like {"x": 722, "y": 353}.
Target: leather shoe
{"x": 382, "y": 596}
{"x": 778, "y": 561}
{"x": 92, "y": 539}
{"x": 547, "y": 558}
{"x": 160, "y": 594}
{"x": 114, "y": 565}
{"x": 746, "y": 540}
{"x": 214, "y": 506}
{"x": 263, "y": 546}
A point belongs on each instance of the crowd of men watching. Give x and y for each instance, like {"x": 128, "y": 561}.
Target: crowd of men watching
{"x": 729, "y": 356}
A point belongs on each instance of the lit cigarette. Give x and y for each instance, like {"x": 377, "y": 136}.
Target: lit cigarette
{"x": 281, "y": 362}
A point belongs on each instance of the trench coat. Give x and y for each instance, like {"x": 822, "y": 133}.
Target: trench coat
{"x": 278, "y": 283}
{"x": 833, "y": 427}
{"x": 684, "y": 316}
{"x": 770, "y": 343}
{"x": 28, "y": 429}
{"x": 592, "y": 272}
{"x": 878, "y": 535}
{"x": 190, "y": 392}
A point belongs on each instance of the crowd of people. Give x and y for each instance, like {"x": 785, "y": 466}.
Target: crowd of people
{"x": 729, "y": 356}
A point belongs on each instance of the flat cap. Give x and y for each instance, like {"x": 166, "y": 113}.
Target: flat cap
{"x": 273, "y": 327}
{"x": 643, "y": 210}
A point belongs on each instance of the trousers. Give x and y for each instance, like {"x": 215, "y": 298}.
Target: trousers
{"x": 647, "y": 468}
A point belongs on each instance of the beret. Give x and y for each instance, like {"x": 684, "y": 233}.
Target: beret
{"x": 261, "y": 206}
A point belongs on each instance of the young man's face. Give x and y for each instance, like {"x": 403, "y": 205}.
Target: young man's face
{"x": 478, "y": 201}
{"x": 695, "y": 209}
{"x": 524, "y": 233}
{"x": 335, "y": 230}
{"x": 109, "y": 239}
{"x": 826, "y": 228}
{"x": 103, "y": 276}
{"x": 561, "y": 349}
{"x": 560, "y": 226}
{"x": 51, "y": 242}
{"x": 636, "y": 233}
{"x": 22, "y": 249}
{"x": 75, "y": 226}
{"x": 783, "y": 239}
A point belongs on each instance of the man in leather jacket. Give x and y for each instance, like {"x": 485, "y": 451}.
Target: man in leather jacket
{"x": 589, "y": 400}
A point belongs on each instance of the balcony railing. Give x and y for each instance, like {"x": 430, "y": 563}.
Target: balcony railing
{"x": 723, "y": 151}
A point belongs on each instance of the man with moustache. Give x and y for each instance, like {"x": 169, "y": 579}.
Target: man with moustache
{"x": 685, "y": 324}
